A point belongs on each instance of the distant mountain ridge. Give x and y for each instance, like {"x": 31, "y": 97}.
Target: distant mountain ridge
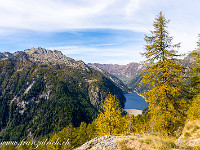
{"x": 126, "y": 73}
{"x": 123, "y": 72}
{"x": 130, "y": 74}
{"x": 119, "y": 83}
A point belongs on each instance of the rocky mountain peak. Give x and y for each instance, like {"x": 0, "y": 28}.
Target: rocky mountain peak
{"x": 5, "y": 55}
{"x": 42, "y": 55}
{"x": 40, "y": 50}
{"x": 45, "y": 53}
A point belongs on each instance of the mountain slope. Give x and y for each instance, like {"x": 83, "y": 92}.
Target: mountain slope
{"x": 113, "y": 78}
{"x": 42, "y": 91}
{"x": 123, "y": 72}
{"x": 129, "y": 74}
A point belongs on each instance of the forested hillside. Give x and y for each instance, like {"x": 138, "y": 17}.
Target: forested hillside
{"x": 42, "y": 91}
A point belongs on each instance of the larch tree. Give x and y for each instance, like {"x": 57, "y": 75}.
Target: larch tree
{"x": 194, "y": 109}
{"x": 164, "y": 75}
{"x": 110, "y": 120}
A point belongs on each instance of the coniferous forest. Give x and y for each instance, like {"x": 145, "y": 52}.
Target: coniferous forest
{"x": 83, "y": 104}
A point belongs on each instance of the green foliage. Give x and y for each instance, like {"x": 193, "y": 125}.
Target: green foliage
{"x": 8, "y": 147}
{"x": 68, "y": 138}
{"x": 140, "y": 123}
{"x": 164, "y": 75}
{"x": 41, "y": 99}
{"x": 123, "y": 145}
{"x": 82, "y": 134}
{"x": 65, "y": 138}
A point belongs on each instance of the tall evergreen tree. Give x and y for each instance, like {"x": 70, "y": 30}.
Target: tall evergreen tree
{"x": 164, "y": 74}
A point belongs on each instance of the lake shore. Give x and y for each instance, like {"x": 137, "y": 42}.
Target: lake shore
{"x": 134, "y": 112}
{"x": 140, "y": 95}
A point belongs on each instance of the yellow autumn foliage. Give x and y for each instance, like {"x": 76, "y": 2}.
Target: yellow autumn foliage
{"x": 167, "y": 106}
{"x": 110, "y": 121}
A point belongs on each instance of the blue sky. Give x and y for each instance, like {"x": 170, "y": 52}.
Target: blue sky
{"x": 101, "y": 31}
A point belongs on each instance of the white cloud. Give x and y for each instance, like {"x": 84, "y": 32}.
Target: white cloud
{"x": 107, "y": 55}
{"x": 135, "y": 15}
{"x": 50, "y": 15}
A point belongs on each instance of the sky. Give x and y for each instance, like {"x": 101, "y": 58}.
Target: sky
{"x": 95, "y": 31}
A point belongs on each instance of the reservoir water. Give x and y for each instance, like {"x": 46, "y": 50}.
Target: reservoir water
{"x": 134, "y": 101}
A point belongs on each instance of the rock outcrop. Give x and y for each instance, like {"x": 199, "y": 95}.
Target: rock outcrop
{"x": 5, "y": 55}
{"x": 42, "y": 55}
{"x": 110, "y": 142}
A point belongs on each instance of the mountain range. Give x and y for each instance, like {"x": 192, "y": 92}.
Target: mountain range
{"x": 43, "y": 91}
{"x": 130, "y": 74}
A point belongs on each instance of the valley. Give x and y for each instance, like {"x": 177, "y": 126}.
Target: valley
{"x": 99, "y": 75}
